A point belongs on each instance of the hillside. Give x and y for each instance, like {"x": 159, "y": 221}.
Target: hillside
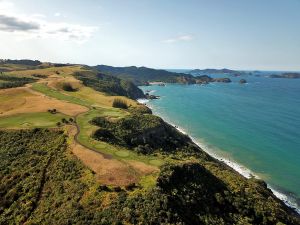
{"x": 109, "y": 84}
{"x": 69, "y": 155}
{"x": 144, "y": 75}
{"x": 216, "y": 71}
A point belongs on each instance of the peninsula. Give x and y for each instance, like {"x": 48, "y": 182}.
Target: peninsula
{"x": 77, "y": 148}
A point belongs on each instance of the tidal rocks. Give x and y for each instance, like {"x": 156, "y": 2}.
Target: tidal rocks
{"x": 222, "y": 80}
{"x": 148, "y": 96}
{"x": 242, "y": 81}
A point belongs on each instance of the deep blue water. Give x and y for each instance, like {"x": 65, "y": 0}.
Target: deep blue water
{"x": 256, "y": 125}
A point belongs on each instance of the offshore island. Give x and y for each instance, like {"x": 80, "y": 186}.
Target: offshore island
{"x": 77, "y": 148}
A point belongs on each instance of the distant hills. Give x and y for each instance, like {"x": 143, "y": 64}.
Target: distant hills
{"x": 144, "y": 75}
{"x": 224, "y": 71}
{"x": 217, "y": 71}
{"x": 286, "y": 75}
{"x": 27, "y": 62}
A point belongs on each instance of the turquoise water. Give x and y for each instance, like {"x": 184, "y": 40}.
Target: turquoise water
{"x": 256, "y": 125}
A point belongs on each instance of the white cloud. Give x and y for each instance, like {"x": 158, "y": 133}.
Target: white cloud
{"x": 36, "y": 26}
{"x": 57, "y": 14}
{"x": 178, "y": 39}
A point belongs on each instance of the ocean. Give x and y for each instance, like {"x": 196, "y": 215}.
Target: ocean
{"x": 254, "y": 127}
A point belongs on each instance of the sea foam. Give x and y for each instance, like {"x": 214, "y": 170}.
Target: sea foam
{"x": 237, "y": 167}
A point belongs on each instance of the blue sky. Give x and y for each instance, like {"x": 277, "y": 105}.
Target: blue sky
{"x": 237, "y": 34}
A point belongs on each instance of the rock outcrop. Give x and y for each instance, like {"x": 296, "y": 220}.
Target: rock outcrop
{"x": 242, "y": 81}
{"x": 222, "y": 80}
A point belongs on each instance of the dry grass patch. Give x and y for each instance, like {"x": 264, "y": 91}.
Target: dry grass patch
{"x": 24, "y": 100}
{"x": 143, "y": 168}
{"x": 57, "y": 82}
{"x": 59, "y": 71}
{"x": 98, "y": 98}
{"x": 108, "y": 171}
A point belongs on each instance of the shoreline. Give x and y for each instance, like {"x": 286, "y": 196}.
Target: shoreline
{"x": 245, "y": 172}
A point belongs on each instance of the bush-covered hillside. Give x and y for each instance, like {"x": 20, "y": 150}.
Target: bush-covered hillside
{"x": 12, "y": 81}
{"x": 144, "y": 133}
{"x": 190, "y": 194}
{"x": 143, "y": 75}
{"x": 26, "y": 62}
{"x": 109, "y": 84}
{"x": 42, "y": 183}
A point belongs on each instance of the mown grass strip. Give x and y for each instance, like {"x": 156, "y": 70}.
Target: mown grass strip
{"x": 32, "y": 120}
{"x": 43, "y": 88}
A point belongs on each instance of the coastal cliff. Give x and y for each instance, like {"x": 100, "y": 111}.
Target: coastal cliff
{"x": 89, "y": 154}
{"x": 195, "y": 188}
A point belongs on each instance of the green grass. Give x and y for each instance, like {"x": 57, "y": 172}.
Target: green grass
{"x": 122, "y": 153}
{"x": 86, "y": 129}
{"x": 148, "y": 181}
{"x": 31, "y": 120}
{"x": 156, "y": 162}
{"x": 58, "y": 95}
{"x": 117, "y": 152}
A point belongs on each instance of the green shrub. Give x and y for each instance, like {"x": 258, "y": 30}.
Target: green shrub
{"x": 13, "y": 81}
{"x": 68, "y": 87}
{"x": 144, "y": 133}
{"x": 120, "y": 103}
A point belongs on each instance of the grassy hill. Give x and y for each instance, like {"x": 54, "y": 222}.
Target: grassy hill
{"x": 68, "y": 156}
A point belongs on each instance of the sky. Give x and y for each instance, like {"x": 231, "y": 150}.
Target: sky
{"x": 170, "y": 34}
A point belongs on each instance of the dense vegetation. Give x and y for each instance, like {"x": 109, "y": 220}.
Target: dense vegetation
{"x": 190, "y": 194}
{"x": 120, "y": 103}
{"x": 144, "y": 133}
{"x": 42, "y": 183}
{"x": 12, "y": 81}
{"x": 109, "y": 84}
{"x": 26, "y": 62}
{"x": 68, "y": 87}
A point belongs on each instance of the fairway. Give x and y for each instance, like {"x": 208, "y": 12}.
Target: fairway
{"x": 43, "y": 88}
{"x": 122, "y": 154}
{"x": 31, "y": 120}
{"x": 27, "y": 107}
